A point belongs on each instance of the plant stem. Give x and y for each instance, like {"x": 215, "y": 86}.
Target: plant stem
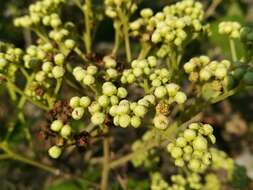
{"x": 124, "y": 20}
{"x": 18, "y": 90}
{"x": 117, "y": 40}
{"x": 14, "y": 156}
{"x": 87, "y": 11}
{"x": 146, "y": 47}
{"x": 233, "y": 50}
{"x": 106, "y": 163}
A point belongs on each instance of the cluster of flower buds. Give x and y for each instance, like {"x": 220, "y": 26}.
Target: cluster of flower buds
{"x": 171, "y": 27}
{"x": 170, "y": 92}
{"x": 212, "y": 182}
{"x": 146, "y": 158}
{"x": 65, "y": 131}
{"x": 230, "y": 29}
{"x": 157, "y": 182}
{"x": 128, "y": 113}
{"x": 85, "y": 76}
{"x": 213, "y": 76}
{"x": 220, "y": 160}
{"x": 79, "y": 104}
{"x": 203, "y": 69}
{"x": 139, "y": 69}
{"x": 10, "y": 57}
{"x": 144, "y": 26}
{"x": 110, "y": 65}
{"x": 178, "y": 182}
{"x": 41, "y": 12}
{"x": 113, "y": 7}
{"x": 191, "y": 147}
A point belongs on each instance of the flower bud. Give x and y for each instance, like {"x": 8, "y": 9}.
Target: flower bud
{"x": 55, "y": 152}
{"x": 56, "y": 125}
{"x": 98, "y": 118}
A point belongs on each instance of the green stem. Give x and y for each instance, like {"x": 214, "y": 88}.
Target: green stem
{"x": 144, "y": 51}
{"x": 117, "y": 40}
{"x": 233, "y": 50}
{"x": 14, "y": 156}
{"x": 87, "y": 11}
{"x": 106, "y": 161}
{"x": 18, "y": 90}
{"x": 124, "y": 20}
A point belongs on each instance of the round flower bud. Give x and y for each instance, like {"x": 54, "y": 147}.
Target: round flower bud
{"x": 172, "y": 89}
{"x": 204, "y": 75}
{"x": 194, "y": 165}
{"x": 66, "y": 131}
{"x": 109, "y": 62}
{"x": 188, "y": 149}
{"x": 109, "y": 89}
{"x": 130, "y": 78}
{"x": 40, "y": 76}
{"x": 136, "y": 121}
{"x": 88, "y": 80}
{"x": 56, "y": 125}
{"x": 113, "y": 110}
{"x": 189, "y": 134}
{"x": 150, "y": 99}
{"x": 156, "y": 82}
{"x": 140, "y": 110}
{"x": 179, "y": 162}
{"x": 114, "y": 100}
{"x": 208, "y": 129}
{"x": 47, "y": 67}
{"x": 77, "y": 113}
{"x": 112, "y": 73}
{"x": 152, "y": 61}
{"x": 143, "y": 102}
{"x": 122, "y": 92}
{"x": 85, "y": 101}
{"x": 58, "y": 72}
{"x": 70, "y": 44}
{"x": 59, "y": 59}
{"x": 137, "y": 72}
{"x": 116, "y": 120}
{"x": 160, "y": 92}
{"x": 220, "y": 72}
{"x": 74, "y": 102}
{"x": 124, "y": 120}
{"x": 176, "y": 152}
{"x": 55, "y": 22}
{"x": 146, "y": 13}
{"x": 161, "y": 121}
{"x": 92, "y": 70}
{"x": 180, "y": 97}
{"x": 98, "y": 118}
{"x": 55, "y": 152}
{"x": 194, "y": 126}
{"x": 3, "y": 63}
{"x": 94, "y": 107}
{"x": 103, "y": 101}
{"x": 200, "y": 143}
{"x": 181, "y": 142}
